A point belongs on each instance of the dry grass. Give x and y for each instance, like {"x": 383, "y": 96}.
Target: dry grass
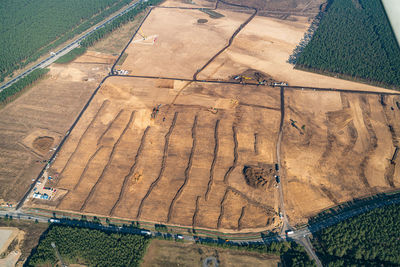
{"x": 167, "y": 253}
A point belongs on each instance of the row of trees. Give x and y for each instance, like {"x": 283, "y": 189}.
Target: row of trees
{"x": 89, "y": 247}
{"x": 7, "y": 94}
{"x": 116, "y": 23}
{"x": 370, "y": 239}
{"x": 354, "y": 38}
{"x": 30, "y": 29}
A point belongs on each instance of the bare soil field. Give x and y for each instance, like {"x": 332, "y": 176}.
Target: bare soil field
{"x": 181, "y": 46}
{"x": 344, "y": 150}
{"x": 182, "y": 167}
{"x": 265, "y": 44}
{"x": 167, "y": 253}
{"x": 202, "y": 154}
{"x": 32, "y": 125}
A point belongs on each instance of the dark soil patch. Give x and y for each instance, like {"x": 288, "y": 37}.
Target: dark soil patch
{"x": 202, "y": 21}
{"x": 43, "y": 144}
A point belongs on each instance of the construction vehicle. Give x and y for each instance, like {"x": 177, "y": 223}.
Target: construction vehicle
{"x": 213, "y": 110}
{"x": 142, "y": 34}
{"x": 155, "y": 111}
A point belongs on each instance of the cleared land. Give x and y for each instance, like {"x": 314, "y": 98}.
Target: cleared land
{"x": 167, "y": 253}
{"x": 181, "y": 46}
{"x": 183, "y": 167}
{"x": 265, "y": 44}
{"x": 343, "y": 152}
{"x": 202, "y": 154}
{"x": 42, "y": 114}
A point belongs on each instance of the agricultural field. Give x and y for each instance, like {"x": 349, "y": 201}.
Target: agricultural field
{"x": 167, "y": 253}
{"x": 33, "y": 124}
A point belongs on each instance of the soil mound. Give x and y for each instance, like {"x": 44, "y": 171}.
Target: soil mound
{"x": 257, "y": 176}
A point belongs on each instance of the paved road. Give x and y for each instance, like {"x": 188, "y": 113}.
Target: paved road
{"x": 46, "y": 62}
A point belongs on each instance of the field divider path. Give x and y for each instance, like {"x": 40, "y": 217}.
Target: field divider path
{"x": 212, "y": 168}
{"x": 196, "y": 212}
{"x": 241, "y": 218}
{"x": 230, "y": 39}
{"x": 222, "y": 208}
{"x": 109, "y": 126}
{"x": 82, "y": 174}
{"x": 235, "y": 155}
{"x": 163, "y": 163}
{"x": 89, "y": 197}
{"x": 81, "y": 138}
{"x": 131, "y": 171}
{"x": 187, "y": 170}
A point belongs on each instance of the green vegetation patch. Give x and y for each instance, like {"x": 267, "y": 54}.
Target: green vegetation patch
{"x": 116, "y": 23}
{"x": 71, "y": 55}
{"x": 9, "y": 93}
{"x": 89, "y": 247}
{"x": 371, "y": 239}
{"x": 212, "y": 13}
{"x": 355, "y": 39}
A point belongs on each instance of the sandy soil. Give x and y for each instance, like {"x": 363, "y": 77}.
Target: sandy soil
{"x": 265, "y": 44}
{"x": 7, "y": 235}
{"x": 112, "y": 162}
{"x": 167, "y": 253}
{"x": 343, "y": 152}
{"x": 176, "y": 45}
{"x": 47, "y": 109}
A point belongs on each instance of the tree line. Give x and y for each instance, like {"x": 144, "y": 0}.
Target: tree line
{"x": 370, "y": 239}
{"x": 7, "y": 94}
{"x": 355, "y": 39}
{"x": 88, "y": 246}
{"x": 30, "y": 29}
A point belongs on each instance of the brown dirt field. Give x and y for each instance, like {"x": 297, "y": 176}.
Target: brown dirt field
{"x": 169, "y": 253}
{"x": 182, "y": 44}
{"x": 343, "y": 153}
{"x": 120, "y": 162}
{"x": 265, "y": 44}
{"x": 47, "y": 109}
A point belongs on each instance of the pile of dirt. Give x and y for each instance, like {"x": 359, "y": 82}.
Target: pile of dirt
{"x": 43, "y": 143}
{"x": 257, "y": 176}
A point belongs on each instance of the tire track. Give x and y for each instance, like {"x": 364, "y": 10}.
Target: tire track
{"x": 241, "y": 218}
{"x": 89, "y": 197}
{"x": 196, "y": 212}
{"x": 269, "y": 210}
{"x": 259, "y": 106}
{"x": 230, "y": 41}
{"x": 163, "y": 163}
{"x": 366, "y": 113}
{"x": 187, "y": 170}
{"x": 221, "y": 213}
{"x": 109, "y": 126}
{"x": 82, "y": 137}
{"x": 235, "y": 155}
{"x": 131, "y": 171}
{"x": 329, "y": 194}
{"x": 216, "y": 148}
{"x": 82, "y": 174}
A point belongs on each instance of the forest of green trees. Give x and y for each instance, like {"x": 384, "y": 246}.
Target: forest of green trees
{"x": 89, "y": 247}
{"x": 354, "y": 38}
{"x": 31, "y": 28}
{"x": 7, "y": 94}
{"x": 371, "y": 239}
